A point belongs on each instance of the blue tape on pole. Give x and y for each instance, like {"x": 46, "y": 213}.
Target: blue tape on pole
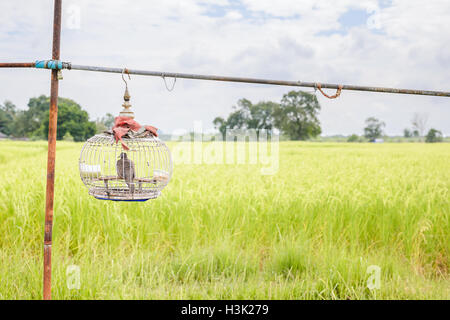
{"x": 49, "y": 64}
{"x": 40, "y": 64}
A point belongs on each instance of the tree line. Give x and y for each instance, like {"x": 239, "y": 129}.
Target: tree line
{"x": 32, "y": 123}
{"x": 374, "y": 130}
{"x": 296, "y": 116}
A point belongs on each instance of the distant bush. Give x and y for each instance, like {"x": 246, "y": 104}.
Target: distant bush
{"x": 353, "y": 138}
{"x": 36, "y": 138}
{"x": 433, "y": 136}
{"x": 68, "y": 137}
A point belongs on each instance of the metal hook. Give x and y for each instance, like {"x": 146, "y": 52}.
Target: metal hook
{"x": 126, "y": 84}
{"x": 165, "y": 83}
{"x": 310, "y": 91}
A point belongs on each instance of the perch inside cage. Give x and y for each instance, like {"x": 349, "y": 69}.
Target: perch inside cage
{"x": 135, "y": 169}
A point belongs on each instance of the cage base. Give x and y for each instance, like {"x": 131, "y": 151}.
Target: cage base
{"x": 137, "y": 200}
{"x": 121, "y": 195}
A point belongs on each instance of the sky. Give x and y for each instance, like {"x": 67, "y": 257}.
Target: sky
{"x": 398, "y": 43}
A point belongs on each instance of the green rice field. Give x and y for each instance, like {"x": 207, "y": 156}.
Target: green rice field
{"x": 313, "y": 230}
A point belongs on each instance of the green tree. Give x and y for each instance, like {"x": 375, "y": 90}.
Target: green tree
{"x": 419, "y": 123}
{"x": 433, "y": 135}
{"x": 407, "y": 133}
{"x": 36, "y": 114}
{"x": 297, "y": 114}
{"x": 247, "y": 116}
{"x": 236, "y": 120}
{"x": 72, "y": 119}
{"x": 100, "y": 127}
{"x": 220, "y": 124}
{"x": 8, "y": 113}
{"x": 373, "y": 129}
{"x": 353, "y": 138}
{"x": 28, "y": 122}
{"x": 106, "y": 122}
{"x": 256, "y": 116}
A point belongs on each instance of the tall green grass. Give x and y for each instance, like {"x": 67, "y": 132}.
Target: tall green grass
{"x": 226, "y": 231}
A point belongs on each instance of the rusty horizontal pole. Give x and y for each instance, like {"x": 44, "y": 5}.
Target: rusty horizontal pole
{"x": 17, "y": 65}
{"x": 315, "y": 85}
{"x": 259, "y": 81}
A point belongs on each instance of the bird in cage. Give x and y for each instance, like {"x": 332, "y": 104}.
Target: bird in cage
{"x": 125, "y": 170}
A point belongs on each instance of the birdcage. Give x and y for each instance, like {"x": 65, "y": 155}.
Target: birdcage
{"x": 136, "y": 169}
{"x": 104, "y": 169}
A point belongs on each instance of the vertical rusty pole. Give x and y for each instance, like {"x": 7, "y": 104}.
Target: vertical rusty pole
{"x": 53, "y": 118}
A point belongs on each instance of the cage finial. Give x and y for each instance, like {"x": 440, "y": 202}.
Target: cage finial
{"x": 126, "y": 112}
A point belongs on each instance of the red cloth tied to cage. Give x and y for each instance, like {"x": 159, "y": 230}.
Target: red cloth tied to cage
{"x": 123, "y": 126}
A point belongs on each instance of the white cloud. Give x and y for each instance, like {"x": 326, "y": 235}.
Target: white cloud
{"x": 280, "y": 40}
{"x": 233, "y": 15}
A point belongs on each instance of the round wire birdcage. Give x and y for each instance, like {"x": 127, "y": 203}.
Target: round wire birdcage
{"x": 137, "y": 174}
